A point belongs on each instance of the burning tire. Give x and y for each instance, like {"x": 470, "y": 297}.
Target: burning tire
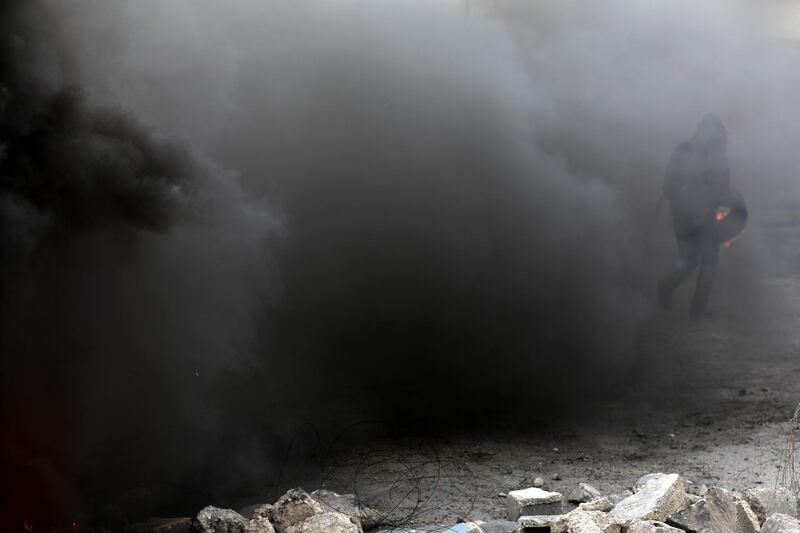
{"x": 731, "y": 218}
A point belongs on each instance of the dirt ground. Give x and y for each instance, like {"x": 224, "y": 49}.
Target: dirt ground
{"x": 710, "y": 401}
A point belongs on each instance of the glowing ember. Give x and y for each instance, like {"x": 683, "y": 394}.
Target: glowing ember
{"x": 722, "y": 213}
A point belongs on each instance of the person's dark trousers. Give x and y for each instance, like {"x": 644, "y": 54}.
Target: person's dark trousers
{"x": 697, "y": 246}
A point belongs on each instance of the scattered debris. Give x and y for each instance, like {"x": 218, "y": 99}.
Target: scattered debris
{"x": 538, "y": 482}
{"x": 659, "y": 504}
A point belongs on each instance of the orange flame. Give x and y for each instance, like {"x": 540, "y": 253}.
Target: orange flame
{"x": 722, "y": 213}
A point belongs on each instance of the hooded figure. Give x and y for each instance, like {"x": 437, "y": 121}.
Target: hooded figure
{"x": 697, "y": 183}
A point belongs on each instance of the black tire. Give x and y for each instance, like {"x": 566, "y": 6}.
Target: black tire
{"x": 733, "y": 224}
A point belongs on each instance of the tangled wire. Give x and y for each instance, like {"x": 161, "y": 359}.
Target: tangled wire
{"x": 405, "y": 482}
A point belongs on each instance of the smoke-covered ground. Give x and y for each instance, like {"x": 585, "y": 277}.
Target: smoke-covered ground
{"x": 223, "y": 220}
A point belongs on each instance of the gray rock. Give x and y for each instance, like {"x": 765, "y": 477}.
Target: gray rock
{"x": 215, "y": 520}
{"x": 162, "y": 525}
{"x": 347, "y": 504}
{"x": 259, "y": 524}
{"x": 781, "y": 523}
{"x": 715, "y": 513}
{"x": 580, "y": 521}
{"x": 293, "y": 508}
{"x": 746, "y": 519}
{"x": 652, "y": 526}
{"x": 538, "y": 482}
{"x": 659, "y": 497}
{"x": 766, "y": 501}
{"x": 602, "y": 504}
{"x": 533, "y": 501}
{"x": 584, "y": 493}
{"x": 325, "y": 522}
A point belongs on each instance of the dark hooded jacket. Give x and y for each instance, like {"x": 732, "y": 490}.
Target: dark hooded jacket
{"x": 698, "y": 177}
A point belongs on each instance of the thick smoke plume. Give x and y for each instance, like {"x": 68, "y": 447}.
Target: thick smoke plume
{"x": 466, "y": 194}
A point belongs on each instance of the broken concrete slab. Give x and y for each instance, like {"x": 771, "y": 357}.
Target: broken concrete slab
{"x": 746, "y": 519}
{"x": 652, "y": 526}
{"x": 584, "y": 493}
{"x": 781, "y": 523}
{"x": 765, "y": 501}
{"x": 542, "y": 523}
{"x": 659, "y": 497}
{"x": 215, "y": 520}
{"x": 533, "y": 501}
{"x": 349, "y": 505}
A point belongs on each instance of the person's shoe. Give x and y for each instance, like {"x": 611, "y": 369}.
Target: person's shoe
{"x": 701, "y": 314}
{"x": 664, "y": 295}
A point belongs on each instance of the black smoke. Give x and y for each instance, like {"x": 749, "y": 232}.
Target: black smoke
{"x": 467, "y": 231}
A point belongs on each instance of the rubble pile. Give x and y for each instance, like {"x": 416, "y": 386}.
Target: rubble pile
{"x": 657, "y": 503}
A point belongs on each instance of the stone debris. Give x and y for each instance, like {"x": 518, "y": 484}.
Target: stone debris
{"x": 259, "y": 524}
{"x": 601, "y": 504}
{"x": 538, "y": 482}
{"x": 582, "y": 522}
{"x": 215, "y": 520}
{"x": 264, "y": 510}
{"x": 781, "y": 523}
{"x": 651, "y": 526}
{"x": 293, "y": 508}
{"x": 766, "y": 501}
{"x": 349, "y": 505}
{"x": 584, "y": 493}
{"x": 658, "y": 505}
{"x": 658, "y": 497}
{"x": 746, "y": 519}
{"x": 533, "y": 501}
{"x": 325, "y": 522}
